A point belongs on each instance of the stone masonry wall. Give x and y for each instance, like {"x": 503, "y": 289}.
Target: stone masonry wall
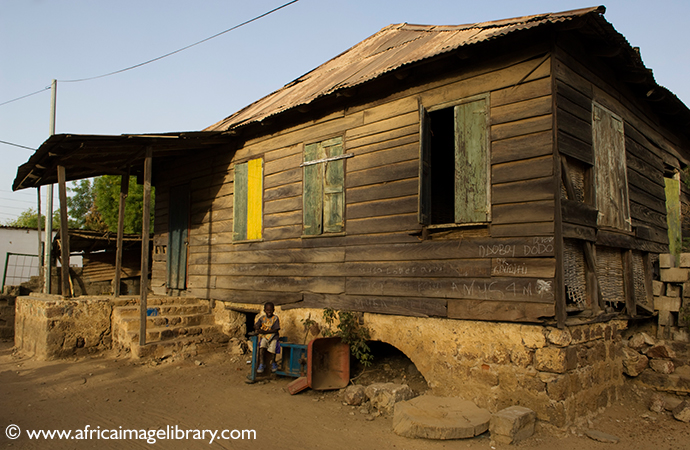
{"x": 672, "y": 297}
{"x": 48, "y": 327}
{"x": 563, "y": 375}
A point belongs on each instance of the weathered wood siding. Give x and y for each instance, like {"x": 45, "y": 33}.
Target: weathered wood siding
{"x": 650, "y": 152}
{"x": 382, "y": 262}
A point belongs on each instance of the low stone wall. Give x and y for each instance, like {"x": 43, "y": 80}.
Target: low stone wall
{"x": 562, "y": 375}
{"x": 48, "y": 327}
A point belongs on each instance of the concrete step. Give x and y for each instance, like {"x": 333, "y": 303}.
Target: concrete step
{"x": 171, "y": 324}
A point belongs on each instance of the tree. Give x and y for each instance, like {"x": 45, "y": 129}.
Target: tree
{"x": 95, "y": 206}
{"x": 29, "y": 219}
{"x": 106, "y": 191}
{"x": 82, "y": 207}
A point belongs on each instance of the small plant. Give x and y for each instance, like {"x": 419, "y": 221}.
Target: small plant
{"x": 310, "y": 326}
{"x": 351, "y": 332}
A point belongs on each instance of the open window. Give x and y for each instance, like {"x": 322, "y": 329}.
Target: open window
{"x": 454, "y": 166}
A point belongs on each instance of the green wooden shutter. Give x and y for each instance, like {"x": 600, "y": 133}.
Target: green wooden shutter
{"x": 313, "y": 191}
{"x": 424, "y": 199}
{"x": 333, "y": 187}
{"x": 471, "y": 163}
{"x": 240, "y": 202}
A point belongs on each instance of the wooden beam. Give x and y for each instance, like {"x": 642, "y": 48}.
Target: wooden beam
{"x": 124, "y": 191}
{"x": 145, "y": 230}
{"x": 629, "y": 283}
{"x": 64, "y": 232}
{"x": 590, "y": 250}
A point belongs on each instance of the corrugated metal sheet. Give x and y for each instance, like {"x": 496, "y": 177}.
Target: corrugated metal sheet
{"x": 389, "y": 49}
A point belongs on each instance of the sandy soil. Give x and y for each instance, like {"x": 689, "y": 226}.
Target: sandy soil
{"x": 208, "y": 392}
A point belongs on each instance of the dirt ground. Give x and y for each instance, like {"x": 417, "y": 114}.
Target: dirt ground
{"x": 208, "y": 392}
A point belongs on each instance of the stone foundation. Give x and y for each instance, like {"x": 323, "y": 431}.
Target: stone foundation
{"x": 48, "y": 327}
{"x": 562, "y": 375}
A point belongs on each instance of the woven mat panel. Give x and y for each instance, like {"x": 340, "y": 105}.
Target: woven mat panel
{"x": 610, "y": 274}
{"x": 577, "y": 178}
{"x": 639, "y": 279}
{"x": 574, "y": 270}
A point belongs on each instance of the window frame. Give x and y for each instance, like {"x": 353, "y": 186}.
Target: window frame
{"x": 425, "y": 169}
{"x": 247, "y": 202}
{"x": 315, "y": 188}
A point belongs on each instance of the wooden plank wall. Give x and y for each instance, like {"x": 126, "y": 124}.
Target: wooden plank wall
{"x": 646, "y": 152}
{"x": 650, "y": 150}
{"x": 381, "y": 264}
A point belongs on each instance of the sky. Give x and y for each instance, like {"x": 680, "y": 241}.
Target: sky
{"x": 42, "y": 40}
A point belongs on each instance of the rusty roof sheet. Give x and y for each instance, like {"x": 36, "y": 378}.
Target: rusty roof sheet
{"x": 389, "y": 49}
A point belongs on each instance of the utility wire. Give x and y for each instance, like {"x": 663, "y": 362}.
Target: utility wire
{"x": 17, "y": 145}
{"x": 160, "y": 57}
{"x": 24, "y": 96}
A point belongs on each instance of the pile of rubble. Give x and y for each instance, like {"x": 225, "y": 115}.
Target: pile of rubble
{"x": 663, "y": 366}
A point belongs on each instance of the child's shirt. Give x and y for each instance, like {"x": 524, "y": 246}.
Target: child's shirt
{"x": 267, "y": 324}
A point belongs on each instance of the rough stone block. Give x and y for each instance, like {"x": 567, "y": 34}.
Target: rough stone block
{"x": 560, "y": 338}
{"x": 633, "y": 362}
{"x": 686, "y": 290}
{"x": 667, "y": 260}
{"x": 667, "y": 304}
{"x": 555, "y": 359}
{"x": 684, "y": 260}
{"x": 355, "y": 395}
{"x": 658, "y": 288}
{"x": 641, "y": 341}
{"x": 430, "y": 417}
{"x": 662, "y": 366}
{"x": 673, "y": 290}
{"x": 682, "y": 411}
{"x": 600, "y": 436}
{"x": 662, "y": 350}
{"x": 384, "y": 396}
{"x": 674, "y": 275}
{"x": 512, "y": 425}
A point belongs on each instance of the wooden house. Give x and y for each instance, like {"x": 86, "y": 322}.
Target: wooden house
{"x": 503, "y": 171}
{"x": 494, "y": 197}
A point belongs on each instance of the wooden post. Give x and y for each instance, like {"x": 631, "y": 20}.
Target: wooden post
{"x": 124, "y": 191}
{"x": 64, "y": 231}
{"x": 40, "y": 238}
{"x": 145, "y": 230}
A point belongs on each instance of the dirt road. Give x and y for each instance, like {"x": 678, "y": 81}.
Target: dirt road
{"x": 179, "y": 397}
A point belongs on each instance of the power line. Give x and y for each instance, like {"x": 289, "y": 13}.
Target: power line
{"x": 25, "y": 96}
{"x": 160, "y": 57}
{"x": 17, "y": 145}
{"x": 183, "y": 48}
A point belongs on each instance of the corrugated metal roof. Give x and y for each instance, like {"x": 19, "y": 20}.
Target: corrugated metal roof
{"x": 389, "y": 49}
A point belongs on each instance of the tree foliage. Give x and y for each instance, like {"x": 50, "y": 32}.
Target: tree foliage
{"x": 29, "y": 219}
{"x": 106, "y": 191}
{"x": 95, "y": 206}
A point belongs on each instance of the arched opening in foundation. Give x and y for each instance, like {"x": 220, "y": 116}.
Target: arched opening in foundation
{"x": 389, "y": 365}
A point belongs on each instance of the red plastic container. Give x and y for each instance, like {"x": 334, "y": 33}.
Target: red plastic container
{"x": 328, "y": 364}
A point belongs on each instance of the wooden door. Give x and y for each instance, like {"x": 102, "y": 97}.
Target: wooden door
{"x": 178, "y": 235}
